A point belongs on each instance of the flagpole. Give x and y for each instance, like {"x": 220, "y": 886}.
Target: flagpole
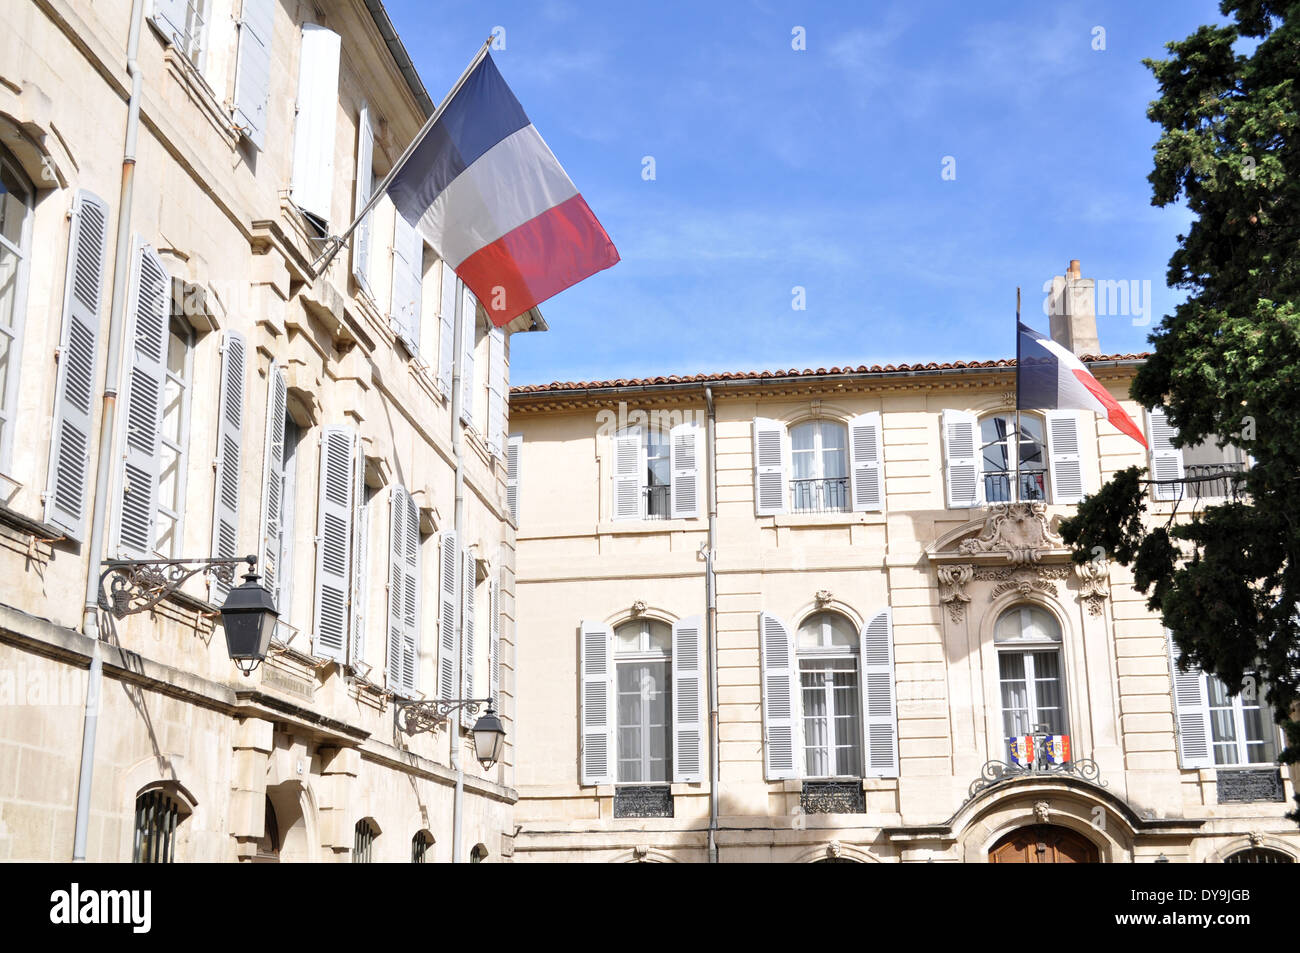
{"x": 1015, "y": 496}
{"x": 326, "y": 257}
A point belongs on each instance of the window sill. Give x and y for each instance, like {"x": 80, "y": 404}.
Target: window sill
{"x": 646, "y": 527}
{"x": 828, "y": 519}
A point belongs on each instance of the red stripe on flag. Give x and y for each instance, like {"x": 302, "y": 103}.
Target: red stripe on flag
{"x": 1114, "y": 412}
{"x": 540, "y": 258}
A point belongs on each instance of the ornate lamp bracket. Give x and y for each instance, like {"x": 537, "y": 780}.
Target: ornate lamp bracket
{"x": 414, "y": 717}
{"x": 128, "y": 586}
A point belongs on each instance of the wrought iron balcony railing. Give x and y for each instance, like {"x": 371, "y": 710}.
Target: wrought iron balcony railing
{"x": 658, "y": 502}
{"x": 829, "y": 495}
{"x": 997, "y": 485}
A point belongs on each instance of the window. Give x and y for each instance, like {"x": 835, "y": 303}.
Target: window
{"x": 656, "y": 472}
{"x": 997, "y": 457}
{"x": 819, "y": 467}
{"x": 15, "y": 239}
{"x": 420, "y": 845}
{"x": 831, "y": 696}
{"x": 184, "y": 24}
{"x": 643, "y": 664}
{"x": 157, "y": 815}
{"x": 1241, "y": 727}
{"x": 1028, "y": 640}
{"x": 175, "y": 438}
{"x": 478, "y": 854}
{"x": 281, "y": 541}
{"x": 363, "y": 842}
{"x": 1203, "y": 471}
{"x": 1259, "y": 855}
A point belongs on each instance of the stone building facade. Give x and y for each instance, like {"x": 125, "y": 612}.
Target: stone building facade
{"x": 261, "y": 411}
{"x": 884, "y": 611}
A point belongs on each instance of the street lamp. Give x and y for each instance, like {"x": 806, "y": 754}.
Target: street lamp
{"x": 488, "y": 734}
{"x": 249, "y": 620}
{"x": 489, "y": 738}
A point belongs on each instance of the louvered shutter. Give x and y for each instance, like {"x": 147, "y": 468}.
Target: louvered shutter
{"x": 364, "y": 186}
{"x": 313, "y": 131}
{"x": 880, "y": 711}
{"x": 334, "y": 529}
{"x": 253, "y": 72}
{"x": 404, "y": 311}
{"x": 596, "y": 718}
{"x": 867, "y": 463}
{"x": 961, "y": 458}
{"x": 1191, "y": 712}
{"x": 446, "y": 326}
{"x": 684, "y": 462}
{"x": 1063, "y": 456}
{"x": 469, "y": 327}
{"x": 629, "y": 474}
{"x": 360, "y": 598}
{"x": 494, "y": 661}
{"x": 273, "y": 504}
{"x": 69, "y": 470}
{"x": 448, "y": 574}
{"x": 496, "y": 390}
{"x": 468, "y": 656}
{"x": 230, "y": 436}
{"x": 769, "y": 466}
{"x": 1166, "y": 459}
{"x": 396, "y": 588}
{"x": 514, "y": 447}
{"x": 169, "y": 17}
{"x": 411, "y": 597}
{"x": 143, "y": 406}
{"x": 689, "y": 730}
{"x": 780, "y": 691}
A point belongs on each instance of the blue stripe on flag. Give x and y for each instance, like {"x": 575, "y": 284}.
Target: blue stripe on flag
{"x": 1037, "y": 372}
{"x": 483, "y": 112}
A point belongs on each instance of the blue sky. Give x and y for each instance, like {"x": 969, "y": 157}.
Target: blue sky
{"x": 821, "y": 168}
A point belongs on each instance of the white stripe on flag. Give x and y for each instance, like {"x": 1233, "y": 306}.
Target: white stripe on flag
{"x": 1070, "y": 392}
{"x": 510, "y": 184}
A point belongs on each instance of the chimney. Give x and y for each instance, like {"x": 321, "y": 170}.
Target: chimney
{"x": 1073, "y": 312}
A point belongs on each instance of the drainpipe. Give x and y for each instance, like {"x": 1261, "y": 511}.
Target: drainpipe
{"x": 711, "y": 621}
{"x": 103, "y": 468}
{"x": 458, "y": 519}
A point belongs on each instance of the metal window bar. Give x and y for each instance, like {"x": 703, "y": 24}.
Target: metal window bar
{"x": 155, "y": 828}
{"x": 1206, "y": 481}
{"x": 827, "y": 495}
{"x": 658, "y": 502}
{"x": 362, "y": 842}
{"x": 997, "y": 485}
{"x": 643, "y": 800}
{"x": 419, "y": 849}
{"x": 1258, "y": 855}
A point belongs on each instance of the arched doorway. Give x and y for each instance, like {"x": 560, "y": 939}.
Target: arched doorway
{"x": 268, "y": 846}
{"x": 1043, "y": 844}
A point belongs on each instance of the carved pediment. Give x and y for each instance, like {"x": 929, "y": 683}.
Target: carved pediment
{"x": 1016, "y": 533}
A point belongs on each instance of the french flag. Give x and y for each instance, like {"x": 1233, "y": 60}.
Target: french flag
{"x": 485, "y": 191}
{"x": 1048, "y": 377}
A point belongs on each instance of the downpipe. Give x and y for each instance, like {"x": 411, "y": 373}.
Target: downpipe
{"x": 711, "y": 620}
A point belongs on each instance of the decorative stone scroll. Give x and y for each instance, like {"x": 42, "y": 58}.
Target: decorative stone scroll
{"x": 1018, "y": 531}
{"x": 953, "y": 595}
{"x": 1092, "y": 584}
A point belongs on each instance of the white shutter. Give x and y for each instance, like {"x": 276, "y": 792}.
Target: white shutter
{"x": 467, "y": 657}
{"x": 408, "y": 271}
{"x": 69, "y": 471}
{"x": 364, "y": 185}
{"x": 334, "y": 531}
{"x": 879, "y": 709}
{"x": 169, "y": 17}
{"x": 396, "y": 630}
{"x": 867, "y": 463}
{"x": 448, "y": 574}
{"x": 685, "y": 453}
{"x": 253, "y": 72}
{"x": 446, "y": 326}
{"x": 1166, "y": 459}
{"x": 469, "y": 326}
{"x": 1191, "y": 712}
{"x": 273, "y": 485}
{"x": 629, "y": 474}
{"x": 961, "y": 458}
{"x": 143, "y": 407}
{"x": 313, "y": 131}
{"x": 1063, "y": 456}
{"x": 360, "y": 598}
{"x": 496, "y": 390}
{"x": 230, "y": 436}
{"x": 769, "y": 466}
{"x": 596, "y": 645}
{"x": 780, "y": 693}
{"x": 494, "y": 633}
{"x": 411, "y": 603}
{"x": 689, "y": 731}
{"x": 514, "y": 447}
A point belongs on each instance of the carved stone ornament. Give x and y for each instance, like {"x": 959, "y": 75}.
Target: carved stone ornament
{"x": 833, "y": 849}
{"x": 638, "y": 608}
{"x": 1092, "y": 584}
{"x": 1042, "y": 811}
{"x": 823, "y": 598}
{"x": 954, "y": 579}
{"x": 1256, "y": 839}
{"x": 1017, "y": 530}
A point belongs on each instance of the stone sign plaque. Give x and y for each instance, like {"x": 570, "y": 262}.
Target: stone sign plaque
{"x": 1263, "y": 784}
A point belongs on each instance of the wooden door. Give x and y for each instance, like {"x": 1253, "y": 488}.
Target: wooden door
{"x": 1043, "y": 844}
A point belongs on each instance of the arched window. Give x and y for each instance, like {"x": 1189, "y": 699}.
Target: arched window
{"x": 643, "y": 660}
{"x": 15, "y": 251}
{"x": 158, "y": 814}
{"x": 819, "y": 474}
{"x": 997, "y": 457}
{"x": 1028, "y": 640}
{"x": 363, "y": 841}
{"x": 478, "y": 854}
{"x": 420, "y": 845}
{"x": 1259, "y": 855}
{"x": 831, "y": 695}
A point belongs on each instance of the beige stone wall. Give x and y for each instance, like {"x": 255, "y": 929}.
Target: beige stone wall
{"x": 576, "y": 563}
{"x": 320, "y": 737}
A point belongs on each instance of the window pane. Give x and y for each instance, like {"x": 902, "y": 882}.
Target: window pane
{"x": 1047, "y": 689}
{"x": 8, "y": 287}
{"x": 848, "y": 721}
{"x": 834, "y": 464}
{"x": 13, "y": 205}
{"x": 1015, "y": 695}
{"x": 1026, "y": 622}
{"x": 627, "y": 637}
{"x": 816, "y": 718}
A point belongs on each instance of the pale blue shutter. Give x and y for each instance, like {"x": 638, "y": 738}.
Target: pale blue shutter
{"x": 360, "y": 598}
{"x": 364, "y": 185}
{"x": 312, "y": 187}
{"x": 404, "y": 309}
{"x": 684, "y": 463}
{"x": 333, "y": 543}
{"x": 514, "y": 447}
{"x": 273, "y": 503}
{"x": 879, "y": 708}
{"x": 1191, "y": 712}
{"x": 1063, "y": 456}
{"x": 253, "y": 70}
{"x": 469, "y": 327}
{"x": 69, "y": 470}
{"x": 143, "y": 405}
{"x": 448, "y": 574}
{"x": 494, "y": 633}
{"x": 449, "y": 300}
{"x": 629, "y": 474}
{"x": 411, "y": 606}
{"x": 396, "y": 630}
{"x": 496, "y": 390}
{"x": 230, "y": 437}
{"x": 867, "y": 463}
{"x": 596, "y": 647}
{"x": 689, "y": 728}
{"x": 780, "y": 688}
{"x": 961, "y": 458}
{"x": 169, "y": 16}
{"x": 468, "y": 590}
{"x": 769, "y": 467}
